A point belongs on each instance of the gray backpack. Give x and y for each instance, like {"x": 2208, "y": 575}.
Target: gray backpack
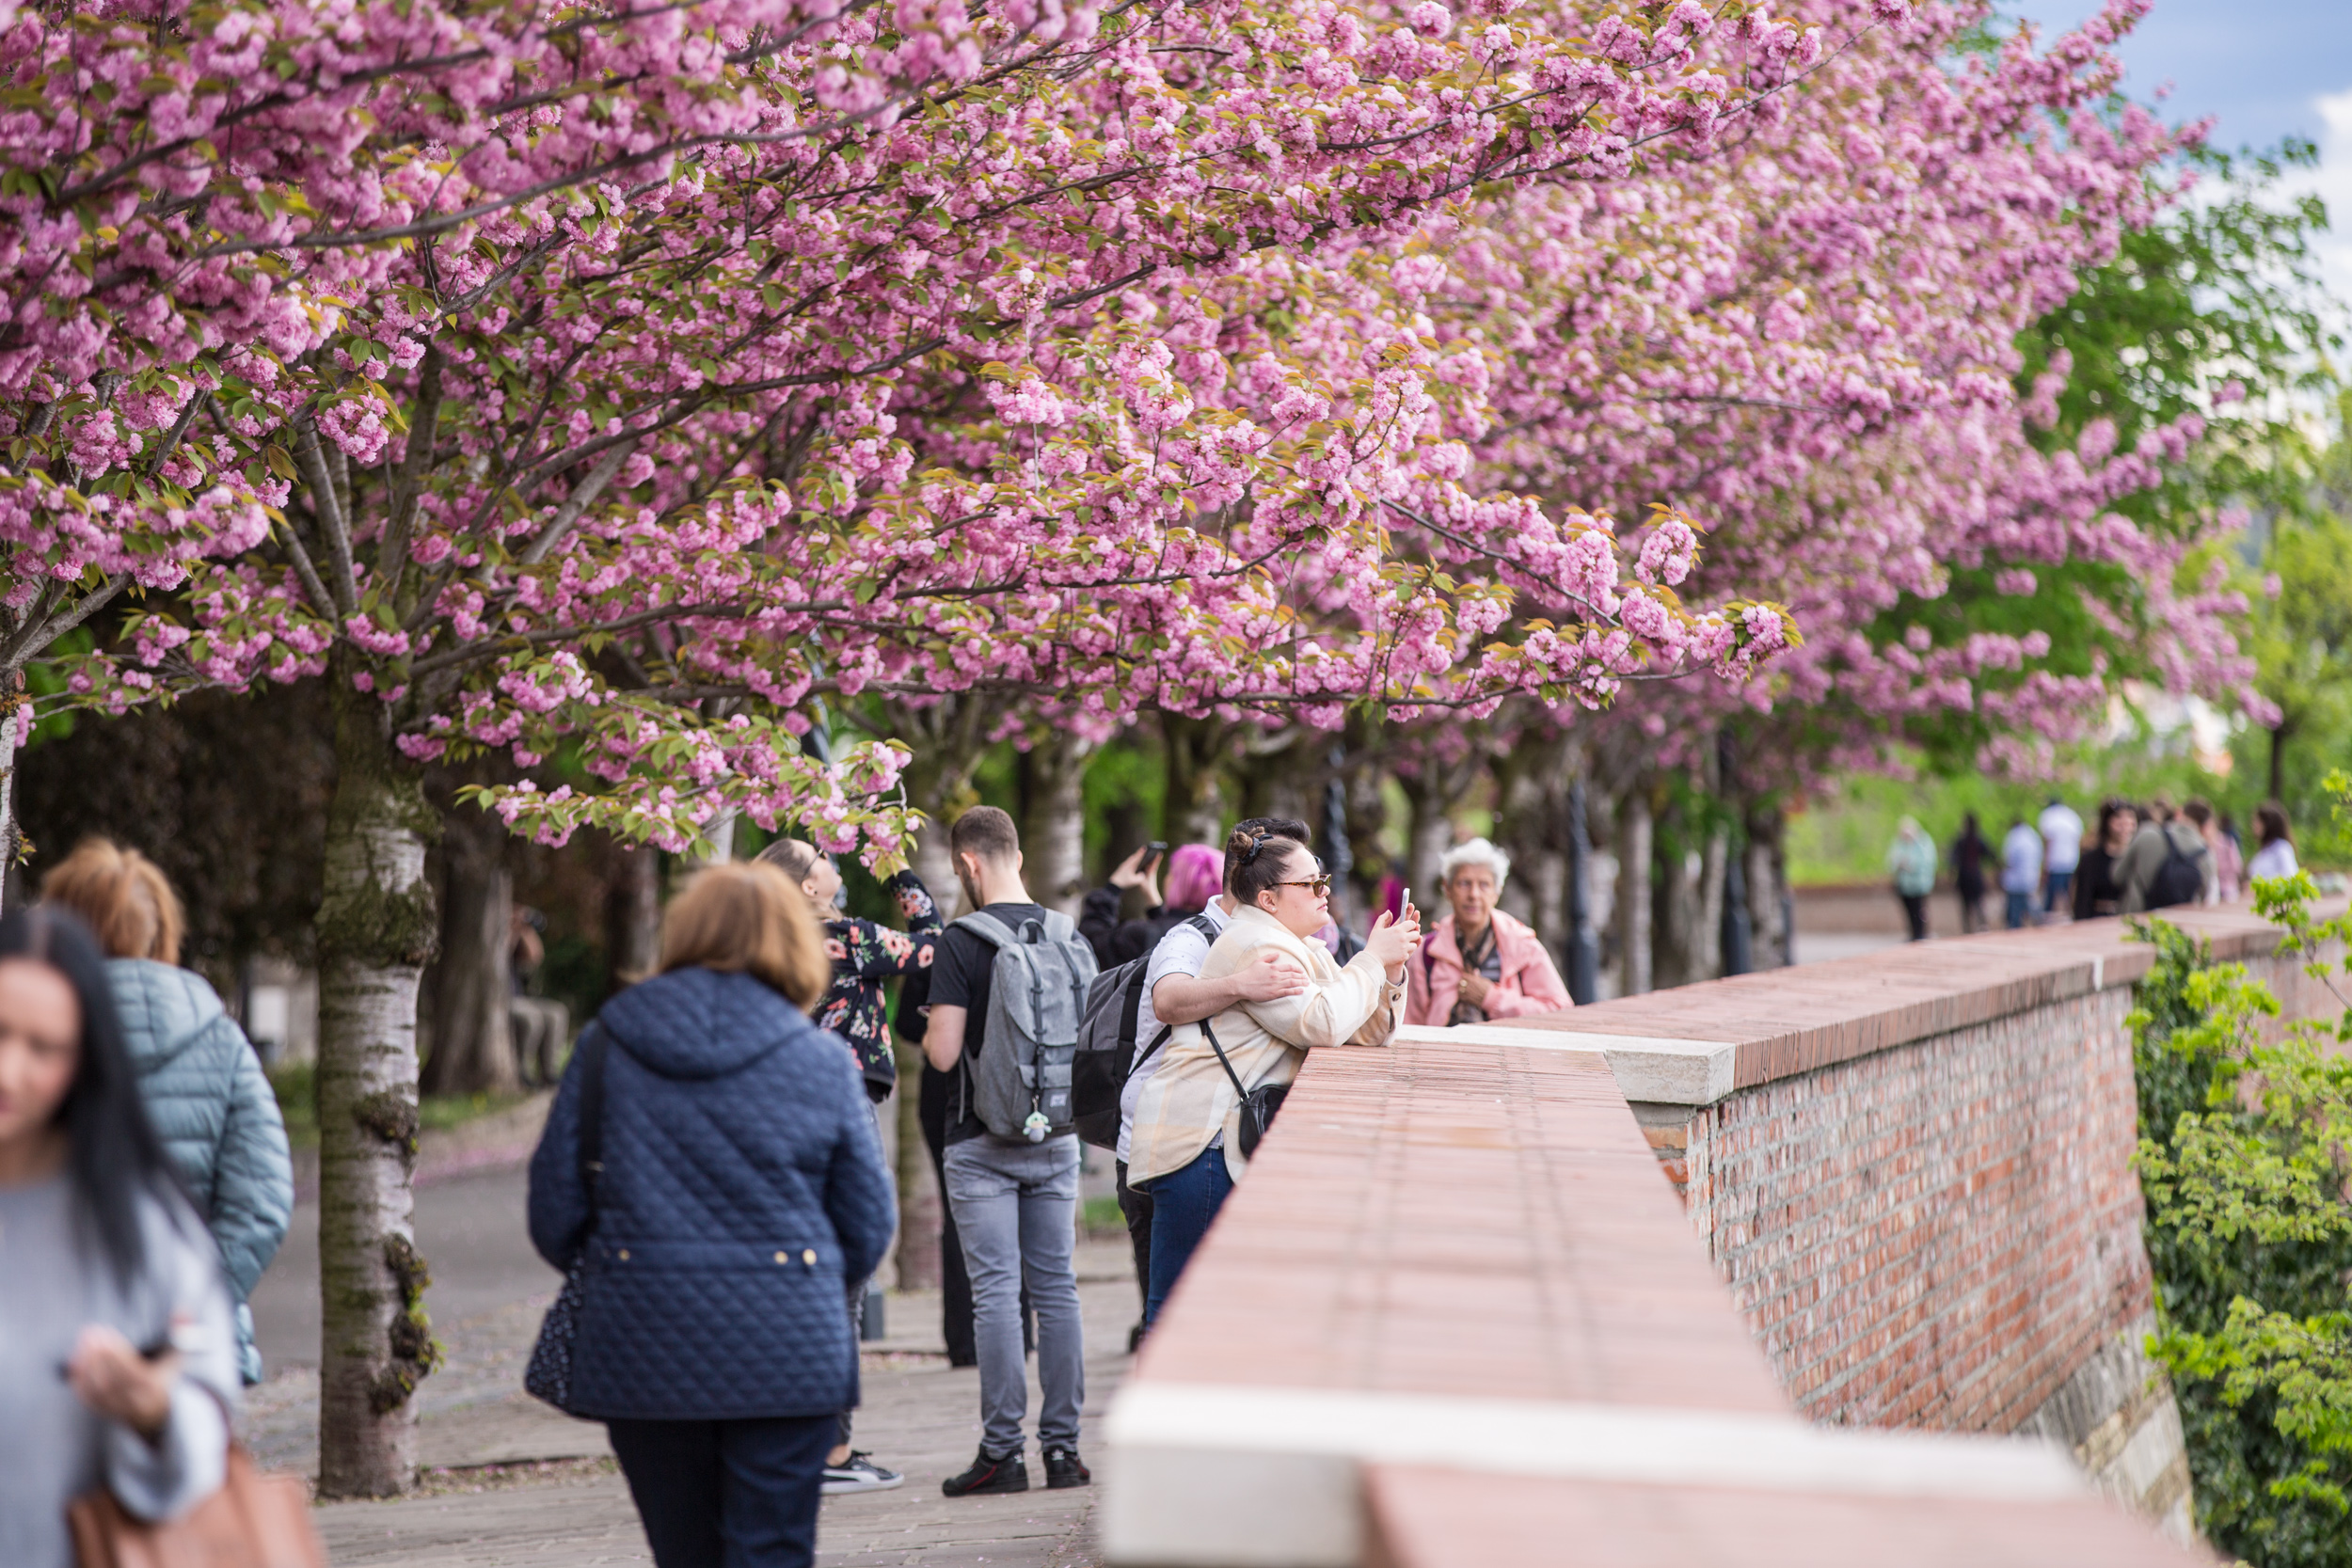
{"x": 1019, "y": 1085}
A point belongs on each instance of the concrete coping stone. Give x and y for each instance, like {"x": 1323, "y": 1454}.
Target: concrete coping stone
{"x": 1270, "y": 1477}
{"x": 1695, "y": 1045}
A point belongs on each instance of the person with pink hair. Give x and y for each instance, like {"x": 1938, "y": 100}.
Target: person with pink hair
{"x": 1196, "y": 874}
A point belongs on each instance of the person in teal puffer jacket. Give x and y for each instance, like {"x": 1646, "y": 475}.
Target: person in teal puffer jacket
{"x": 199, "y": 1075}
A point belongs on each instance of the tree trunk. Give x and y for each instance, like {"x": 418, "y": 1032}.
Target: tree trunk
{"x": 2277, "y": 773}
{"x": 11, "y": 831}
{"x": 1633, "y": 893}
{"x": 376, "y": 930}
{"x": 472, "y": 1045}
{"x": 1768, "y": 904}
{"x": 1581, "y": 965}
{"x": 632, "y": 914}
{"x": 920, "y": 1211}
{"x": 1054, "y": 839}
{"x": 1192, "y": 751}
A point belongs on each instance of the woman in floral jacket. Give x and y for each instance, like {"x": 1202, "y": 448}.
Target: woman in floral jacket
{"x": 864, "y": 954}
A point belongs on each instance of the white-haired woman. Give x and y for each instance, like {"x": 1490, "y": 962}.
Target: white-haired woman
{"x": 1479, "y": 963}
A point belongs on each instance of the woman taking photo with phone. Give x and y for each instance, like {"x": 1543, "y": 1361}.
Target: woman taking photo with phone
{"x": 1188, "y": 1144}
{"x": 118, "y": 1360}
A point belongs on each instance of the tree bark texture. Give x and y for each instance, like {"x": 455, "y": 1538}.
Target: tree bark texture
{"x": 472, "y": 1046}
{"x": 1633, "y": 893}
{"x": 1054, "y": 839}
{"x": 921, "y": 1208}
{"x": 1771, "y": 909}
{"x": 1193, "y": 752}
{"x": 376, "y": 931}
{"x": 633, "y": 914}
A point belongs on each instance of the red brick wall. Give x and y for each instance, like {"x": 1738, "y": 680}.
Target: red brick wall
{"x": 1938, "y": 1234}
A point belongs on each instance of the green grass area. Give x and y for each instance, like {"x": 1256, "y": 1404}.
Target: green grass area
{"x": 1101, "y": 1217}
{"x": 296, "y": 1085}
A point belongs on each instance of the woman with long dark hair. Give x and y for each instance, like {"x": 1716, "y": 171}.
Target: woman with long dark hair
{"x": 118, "y": 1360}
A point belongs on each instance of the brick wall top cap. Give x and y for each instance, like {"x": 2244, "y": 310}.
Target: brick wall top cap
{"x": 1695, "y": 1045}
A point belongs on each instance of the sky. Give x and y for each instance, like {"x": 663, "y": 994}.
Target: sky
{"x": 2266, "y": 69}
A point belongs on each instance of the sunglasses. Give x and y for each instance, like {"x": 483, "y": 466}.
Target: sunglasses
{"x": 1313, "y": 885}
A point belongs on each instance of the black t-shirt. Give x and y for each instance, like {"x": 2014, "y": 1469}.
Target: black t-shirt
{"x": 963, "y": 975}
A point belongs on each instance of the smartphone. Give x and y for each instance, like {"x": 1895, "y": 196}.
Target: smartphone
{"x": 1155, "y": 852}
{"x": 1405, "y": 903}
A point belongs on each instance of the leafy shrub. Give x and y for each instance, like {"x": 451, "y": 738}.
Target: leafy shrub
{"x": 2243, "y": 1157}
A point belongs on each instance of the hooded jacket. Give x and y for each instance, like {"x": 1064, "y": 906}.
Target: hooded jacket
{"x": 742, "y": 1186}
{"x": 217, "y": 1117}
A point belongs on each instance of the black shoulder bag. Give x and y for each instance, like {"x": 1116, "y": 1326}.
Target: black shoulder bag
{"x": 1258, "y": 1106}
{"x": 550, "y": 1375}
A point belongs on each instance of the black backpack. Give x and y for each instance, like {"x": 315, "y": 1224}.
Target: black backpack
{"x": 2178, "y": 881}
{"x": 1107, "y": 1044}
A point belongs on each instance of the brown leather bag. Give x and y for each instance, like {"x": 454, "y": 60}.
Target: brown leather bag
{"x": 253, "y": 1521}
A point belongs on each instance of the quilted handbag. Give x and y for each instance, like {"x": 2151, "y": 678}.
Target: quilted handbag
{"x": 253, "y": 1521}
{"x": 550, "y": 1375}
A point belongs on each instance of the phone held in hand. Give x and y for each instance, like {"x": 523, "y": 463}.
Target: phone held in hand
{"x": 1404, "y": 905}
{"x": 1155, "y": 852}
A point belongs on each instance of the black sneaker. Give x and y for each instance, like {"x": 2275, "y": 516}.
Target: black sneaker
{"x": 1063, "y": 1468}
{"x": 859, "y": 1473}
{"x": 989, "y": 1473}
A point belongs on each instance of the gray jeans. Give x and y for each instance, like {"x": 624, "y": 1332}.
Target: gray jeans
{"x": 1016, "y": 1207}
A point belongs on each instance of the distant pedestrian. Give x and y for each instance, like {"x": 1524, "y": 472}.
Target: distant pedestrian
{"x": 2095, "y": 891}
{"x": 2167, "y": 865}
{"x": 1194, "y": 874}
{"x": 118, "y": 1361}
{"x": 1015, "y": 1198}
{"x": 2275, "y": 854}
{"x": 864, "y": 954}
{"x": 200, "y": 1077}
{"x": 1187, "y": 1149}
{"x": 2224, "y": 867}
{"x": 2021, "y": 871}
{"x": 1910, "y": 860}
{"x": 1971, "y": 853}
{"x": 742, "y": 1189}
{"x": 2062, "y": 855}
{"x": 1479, "y": 962}
{"x": 1174, "y": 996}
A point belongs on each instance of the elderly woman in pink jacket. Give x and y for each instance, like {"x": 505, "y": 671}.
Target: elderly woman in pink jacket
{"x": 1479, "y": 963}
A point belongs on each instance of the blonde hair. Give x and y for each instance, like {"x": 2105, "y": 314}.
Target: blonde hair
{"x": 748, "y": 917}
{"x": 124, "y": 896}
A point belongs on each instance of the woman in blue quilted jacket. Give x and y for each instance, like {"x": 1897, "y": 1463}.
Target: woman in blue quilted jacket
{"x": 740, "y": 1186}
{"x": 199, "y": 1075}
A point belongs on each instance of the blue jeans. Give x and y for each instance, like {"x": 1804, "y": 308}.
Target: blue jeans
{"x": 726, "y": 1493}
{"x": 2061, "y": 888}
{"x": 1184, "y": 1202}
{"x": 2020, "y": 908}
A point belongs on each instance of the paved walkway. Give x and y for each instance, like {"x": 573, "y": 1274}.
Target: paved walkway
{"x": 511, "y": 1482}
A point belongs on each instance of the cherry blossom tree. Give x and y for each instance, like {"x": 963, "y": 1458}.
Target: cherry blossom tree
{"x": 623, "y": 384}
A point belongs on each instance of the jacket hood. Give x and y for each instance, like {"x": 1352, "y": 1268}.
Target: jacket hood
{"x": 162, "y": 1009}
{"x": 699, "y": 1023}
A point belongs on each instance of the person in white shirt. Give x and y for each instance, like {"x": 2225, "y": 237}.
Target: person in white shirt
{"x": 1175, "y": 995}
{"x": 2062, "y": 852}
{"x": 2021, "y": 872}
{"x": 2276, "y": 858}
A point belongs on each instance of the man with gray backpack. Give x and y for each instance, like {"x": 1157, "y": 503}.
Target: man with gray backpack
{"x": 1008, "y": 988}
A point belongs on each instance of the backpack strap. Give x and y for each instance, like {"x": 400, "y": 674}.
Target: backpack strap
{"x": 988, "y": 929}
{"x": 1203, "y": 925}
{"x": 1157, "y": 1040}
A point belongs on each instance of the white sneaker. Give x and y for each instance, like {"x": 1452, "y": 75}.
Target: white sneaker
{"x": 858, "y": 1473}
